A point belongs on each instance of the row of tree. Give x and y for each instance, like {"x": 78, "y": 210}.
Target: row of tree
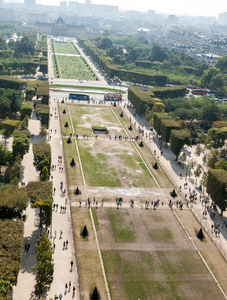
{"x": 171, "y": 132}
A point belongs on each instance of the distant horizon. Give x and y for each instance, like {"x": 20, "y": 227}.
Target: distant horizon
{"x": 173, "y": 7}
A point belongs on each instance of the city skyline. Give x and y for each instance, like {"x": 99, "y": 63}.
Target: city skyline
{"x": 176, "y": 7}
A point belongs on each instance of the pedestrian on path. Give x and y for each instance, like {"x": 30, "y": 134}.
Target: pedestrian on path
{"x": 60, "y": 296}
{"x": 69, "y": 285}
{"x": 66, "y": 287}
{"x": 67, "y": 244}
{"x": 64, "y": 245}
{"x": 71, "y": 263}
{"x": 74, "y": 289}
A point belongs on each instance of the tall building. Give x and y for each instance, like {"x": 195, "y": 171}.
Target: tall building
{"x": 88, "y": 2}
{"x": 63, "y": 5}
{"x": 29, "y": 3}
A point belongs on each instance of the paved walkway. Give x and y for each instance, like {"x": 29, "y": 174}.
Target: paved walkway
{"x": 173, "y": 170}
{"x": 26, "y": 277}
{"x": 61, "y": 221}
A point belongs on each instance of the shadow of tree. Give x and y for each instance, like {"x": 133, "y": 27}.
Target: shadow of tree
{"x": 28, "y": 259}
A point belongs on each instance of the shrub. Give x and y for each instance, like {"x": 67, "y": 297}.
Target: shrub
{"x": 77, "y": 191}
{"x": 69, "y": 141}
{"x": 72, "y": 163}
{"x": 155, "y": 166}
{"x": 66, "y": 124}
{"x": 84, "y": 232}
{"x": 173, "y": 193}
{"x": 141, "y": 144}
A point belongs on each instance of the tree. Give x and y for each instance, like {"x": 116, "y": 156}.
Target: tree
{"x": 183, "y": 157}
{"x": 95, "y": 294}
{"x": 20, "y": 146}
{"x": 8, "y": 127}
{"x": 217, "y": 82}
{"x": 222, "y": 64}
{"x": 43, "y": 132}
{"x": 166, "y": 128}
{"x": 5, "y": 156}
{"x": 212, "y": 158}
{"x": 217, "y": 187}
{"x": 198, "y": 150}
{"x": 216, "y": 137}
{"x": 106, "y": 32}
{"x": 72, "y": 163}
{"x": 45, "y": 211}
{"x": 203, "y": 180}
{"x": 158, "y": 54}
{"x": 105, "y": 43}
{"x": 14, "y": 106}
{"x": 44, "y": 174}
{"x": 15, "y": 173}
{"x": 84, "y": 232}
{"x": 42, "y": 155}
{"x": 3, "y": 45}
{"x": 221, "y": 164}
{"x": 208, "y": 75}
{"x": 4, "y": 287}
{"x": 44, "y": 266}
{"x": 13, "y": 201}
{"x": 4, "y": 109}
{"x": 178, "y": 139}
{"x": 190, "y": 165}
{"x": 197, "y": 172}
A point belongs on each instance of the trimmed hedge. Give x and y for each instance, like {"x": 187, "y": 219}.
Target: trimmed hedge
{"x": 26, "y": 109}
{"x": 217, "y": 187}
{"x": 105, "y": 62}
{"x": 8, "y": 82}
{"x": 39, "y": 190}
{"x": 43, "y": 114}
{"x": 11, "y": 243}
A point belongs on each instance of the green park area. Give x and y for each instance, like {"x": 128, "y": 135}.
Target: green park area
{"x": 141, "y": 264}
{"x": 69, "y": 64}
{"x": 64, "y": 48}
{"x": 146, "y": 254}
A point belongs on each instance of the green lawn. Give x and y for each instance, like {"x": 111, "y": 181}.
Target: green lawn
{"x": 65, "y": 48}
{"x": 90, "y": 272}
{"x": 112, "y": 164}
{"x": 68, "y": 63}
{"x": 122, "y": 226}
{"x": 85, "y": 117}
{"x": 158, "y": 275}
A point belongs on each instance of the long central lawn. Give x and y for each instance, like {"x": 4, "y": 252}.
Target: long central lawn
{"x": 67, "y": 48}
{"x": 113, "y": 164}
{"x": 85, "y": 117}
{"x": 74, "y": 67}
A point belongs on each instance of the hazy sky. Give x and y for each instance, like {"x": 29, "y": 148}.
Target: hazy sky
{"x": 177, "y": 7}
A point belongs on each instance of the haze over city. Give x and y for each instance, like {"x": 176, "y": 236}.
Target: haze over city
{"x": 176, "y": 7}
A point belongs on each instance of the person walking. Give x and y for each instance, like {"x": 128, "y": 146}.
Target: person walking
{"x": 74, "y": 289}
{"x": 71, "y": 263}
{"x": 66, "y": 287}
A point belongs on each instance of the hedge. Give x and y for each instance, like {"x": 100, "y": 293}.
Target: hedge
{"x": 43, "y": 112}
{"x": 100, "y": 57}
{"x": 26, "y": 109}
{"x": 39, "y": 190}
{"x": 140, "y": 99}
{"x": 11, "y": 243}
{"x": 8, "y": 82}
